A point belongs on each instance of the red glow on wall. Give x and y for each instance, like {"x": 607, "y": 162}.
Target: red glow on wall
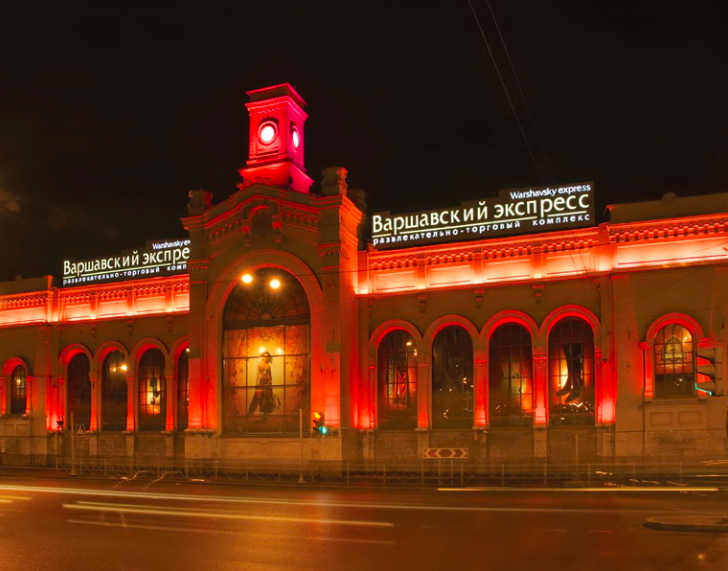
{"x": 548, "y": 256}
{"x": 154, "y": 296}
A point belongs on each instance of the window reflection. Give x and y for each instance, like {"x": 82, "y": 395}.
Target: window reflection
{"x": 152, "y": 392}
{"x": 674, "y": 362}
{"x": 183, "y": 389}
{"x": 397, "y": 381}
{"x": 18, "y": 383}
{"x": 79, "y": 391}
{"x": 452, "y": 379}
{"x": 113, "y": 392}
{"x": 510, "y": 376}
{"x": 571, "y": 372}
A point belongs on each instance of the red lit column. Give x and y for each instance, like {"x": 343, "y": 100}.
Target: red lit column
{"x": 607, "y": 390}
{"x": 170, "y": 397}
{"x": 480, "y": 380}
{"x": 649, "y": 386}
{"x": 540, "y": 387}
{"x": 29, "y": 382}
{"x": 369, "y": 395}
{"x": 424, "y": 390}
{"x": 95, "y": 398}
{"x": 130, "y": 400}
{"x": 53, "y": 406}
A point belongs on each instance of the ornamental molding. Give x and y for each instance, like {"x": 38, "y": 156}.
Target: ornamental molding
{"x": 662, "y": 230}
{"x": 333, "y": 249}
{"x": 240, "y": 217}
{"x": 24, "y": 300}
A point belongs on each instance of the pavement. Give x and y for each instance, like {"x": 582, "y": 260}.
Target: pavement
{"x": 703, "y": 524}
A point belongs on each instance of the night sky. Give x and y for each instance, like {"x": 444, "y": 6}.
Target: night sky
{"x": 111, "y": 111}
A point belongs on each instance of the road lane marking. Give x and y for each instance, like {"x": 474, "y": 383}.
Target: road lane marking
{"x": 599, "y": 531}
{"x": 226, "y": 532}
{"x": 12, "y": 498}
{"x": 577, "y": 490}
{"x": 118, "y": 508}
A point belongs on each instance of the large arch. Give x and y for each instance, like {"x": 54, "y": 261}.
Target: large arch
{"x": 70, "y": 351}
{"x": 144, "y": 345}
{"x": 323, "y": 384}
{"x": 387, "y": 327}
{"x": 508, "y": 316}
{"x": 106, "y": 348}
{"x": 446, "y": 321}
{"x": 680, "y": 318}
{"x": 569, "y": 311}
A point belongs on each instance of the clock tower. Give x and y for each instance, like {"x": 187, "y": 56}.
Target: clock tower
{"x": 275, "y": 154}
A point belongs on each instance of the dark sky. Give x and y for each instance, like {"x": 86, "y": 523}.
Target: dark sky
{"x": 111, "y": 111}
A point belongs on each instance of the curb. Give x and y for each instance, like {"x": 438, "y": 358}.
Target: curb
{"x": 701, "y": 524}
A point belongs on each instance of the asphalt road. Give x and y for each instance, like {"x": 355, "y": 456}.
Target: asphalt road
{"x": 130, "y": 525}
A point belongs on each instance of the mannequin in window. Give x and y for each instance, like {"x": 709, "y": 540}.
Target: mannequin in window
{"x": 263, "y": 399}
{"x": 574, "y": 367}
{"x": 401, "y": 382}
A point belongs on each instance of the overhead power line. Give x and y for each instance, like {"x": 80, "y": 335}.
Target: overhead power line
{"x": 508, "y": 95}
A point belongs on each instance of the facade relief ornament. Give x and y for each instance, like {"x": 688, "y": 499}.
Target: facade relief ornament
{"x": 200, "y": 200}
{"x": 334, "y": 181}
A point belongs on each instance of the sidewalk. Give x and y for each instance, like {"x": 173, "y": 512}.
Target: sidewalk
{"x": 695, "y": 523}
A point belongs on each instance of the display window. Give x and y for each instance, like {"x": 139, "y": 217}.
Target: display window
{"x": 266, "y": 355}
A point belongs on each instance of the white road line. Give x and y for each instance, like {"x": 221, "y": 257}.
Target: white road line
{"x": 118, "y": 508}
{"x": 599, "y": 531}
{"x": 578, "y": 490}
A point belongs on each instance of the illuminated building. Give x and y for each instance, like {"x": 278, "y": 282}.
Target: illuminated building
{"x": 522, "y": 345}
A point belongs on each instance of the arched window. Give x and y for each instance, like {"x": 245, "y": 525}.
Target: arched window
{"x": 397, "y": 386}
{"x": 79, "y": 391}
{"x": 113, "y": 392}
{"x": 266, "y": 354}
{"x": 510, "y": 379}
{"x": 152, "y": 392}
{"x": 452, "y": 379}
{"x": 183, "y": 389}
{"x": 18, "y": 390}
{"x": 571, "y": 373}
{"x": 674, "y": 362}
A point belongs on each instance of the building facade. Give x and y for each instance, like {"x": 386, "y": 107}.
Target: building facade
{"x": 579, "y": 344}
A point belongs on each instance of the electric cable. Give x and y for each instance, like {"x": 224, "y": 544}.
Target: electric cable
{"x": 508, "y": 95}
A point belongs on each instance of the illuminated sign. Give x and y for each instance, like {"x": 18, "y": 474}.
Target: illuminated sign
{"x": 516, "y": 211}
{"x": 156, "y": 259}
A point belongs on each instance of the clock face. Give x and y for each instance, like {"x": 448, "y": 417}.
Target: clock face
{"x": 267, "y": 133}
{"x": 295, "y": 137}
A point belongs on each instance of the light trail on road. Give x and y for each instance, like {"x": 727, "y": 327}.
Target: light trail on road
{"x": 290, "y": 502}
{"x": 151, "y": 510}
